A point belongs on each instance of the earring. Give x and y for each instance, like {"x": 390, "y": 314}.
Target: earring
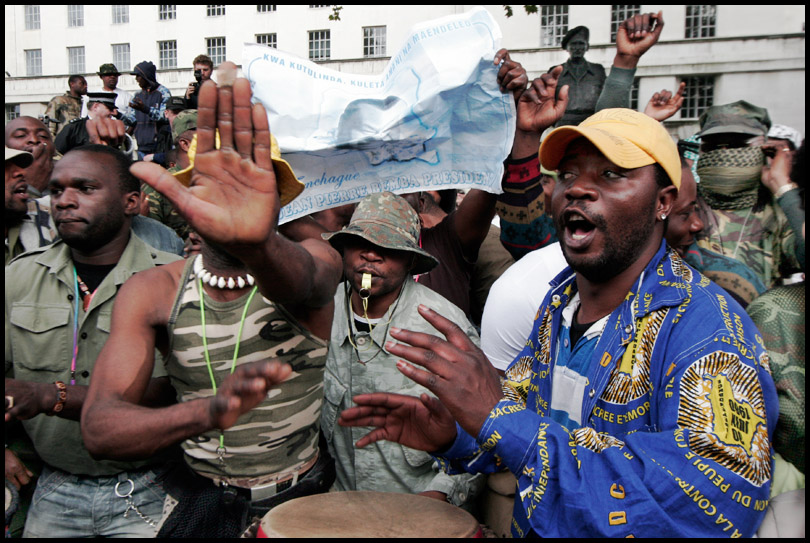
{"x": 663, "y": 217}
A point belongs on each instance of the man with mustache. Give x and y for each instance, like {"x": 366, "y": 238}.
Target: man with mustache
{"x": 58, "y": 302}
{"x": 381, "y": 256}
{"x": 30, "y": 134}
{"x": 25, "y": 229}
{"x": 642, "y": 403}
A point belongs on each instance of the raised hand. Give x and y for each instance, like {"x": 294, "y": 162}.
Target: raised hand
{"x": 419, "y": 423}
{"x": 635, "y": 36}
{"x": 664, "y": 104}
{"x": 511, "y": 75}
{"x": 455, "y": 370}
{"x": 106, "y": 131}
{"x": 540, "y": 106}
{"x": 244, "y": 389}
{"x": 233, "y": 200}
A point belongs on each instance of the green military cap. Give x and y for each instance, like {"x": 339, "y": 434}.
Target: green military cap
{"x": 185, "y": 120}
{"x": 738, "y": 118}
{"x": 108, "y": 69}
{"x": 388, "y": 221}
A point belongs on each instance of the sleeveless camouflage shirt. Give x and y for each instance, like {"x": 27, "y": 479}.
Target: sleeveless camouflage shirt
{"x": 280, "y": 435}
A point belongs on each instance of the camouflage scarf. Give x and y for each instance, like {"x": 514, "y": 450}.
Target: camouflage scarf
{"x": 729, "y": 178}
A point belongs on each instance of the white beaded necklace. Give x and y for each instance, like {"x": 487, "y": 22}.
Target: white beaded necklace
{"x": 220, "y": 282}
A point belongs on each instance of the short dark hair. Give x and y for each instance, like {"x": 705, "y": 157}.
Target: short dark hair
{"x": 203, "y": 59}
{"x": 73, "y": 78}
{"x": 661, "y": 178}
{"x": 127, "y": 181}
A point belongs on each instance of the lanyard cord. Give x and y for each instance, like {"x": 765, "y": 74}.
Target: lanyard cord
{"x": 221, "y": 448}
{"x": 77, "y": 299}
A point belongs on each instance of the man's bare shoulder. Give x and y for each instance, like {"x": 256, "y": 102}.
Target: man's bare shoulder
{"x": 153, "y": 290}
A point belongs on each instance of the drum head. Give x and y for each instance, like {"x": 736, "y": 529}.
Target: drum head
{"x": 367, "y": 514}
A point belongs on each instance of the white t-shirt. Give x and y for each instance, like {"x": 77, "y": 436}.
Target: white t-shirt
{"x": 513, "y": 302}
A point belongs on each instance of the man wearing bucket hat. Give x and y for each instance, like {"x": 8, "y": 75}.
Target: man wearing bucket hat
{"x": 381, "y": 254}
{"x": 642, "y": 403}
{"x": 242, "y": 328}
{"x": 742, "y": 218}
{"x": 109, "y": 74}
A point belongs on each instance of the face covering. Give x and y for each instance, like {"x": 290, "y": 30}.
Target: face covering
{"x": 730, "y": 177}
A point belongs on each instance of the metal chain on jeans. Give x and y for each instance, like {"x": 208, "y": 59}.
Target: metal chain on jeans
{"x": 131, "y": 504}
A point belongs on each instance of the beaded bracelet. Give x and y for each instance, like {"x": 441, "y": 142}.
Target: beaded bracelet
{"x": 61, "y": 397}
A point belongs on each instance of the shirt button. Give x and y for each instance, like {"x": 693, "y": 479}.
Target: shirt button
{"x": 84, "y": 335}
{"x": 565, "y": 342}
{"x": 85, "y": 374}
{"x": 591, "y": 393}
{"x": 628, "y": 329}
{"x": 70, "y": 297}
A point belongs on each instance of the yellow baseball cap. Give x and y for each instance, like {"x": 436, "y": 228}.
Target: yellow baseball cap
{"x": 289, "y": 187}
{"x": 626, "y": 137}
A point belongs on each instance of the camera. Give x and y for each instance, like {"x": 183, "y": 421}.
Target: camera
{"x": 198, "y": 77}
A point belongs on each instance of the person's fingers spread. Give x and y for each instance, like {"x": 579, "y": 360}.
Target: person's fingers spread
{"x": 262, "y": 149}
{"x": 243, "y": 118}
{"x": 206, "y": 117}
{"x": 225, "y": 117}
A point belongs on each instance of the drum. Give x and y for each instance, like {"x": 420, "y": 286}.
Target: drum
{"x": 367, "y": 514}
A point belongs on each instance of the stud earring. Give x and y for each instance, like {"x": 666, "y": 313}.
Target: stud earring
{"x": 663, "y": 217}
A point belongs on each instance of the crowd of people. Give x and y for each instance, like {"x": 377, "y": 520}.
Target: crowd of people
{"x": 629, "y": 346}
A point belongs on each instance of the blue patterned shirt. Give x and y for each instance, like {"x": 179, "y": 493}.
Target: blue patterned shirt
{"x": 677, "y": 418}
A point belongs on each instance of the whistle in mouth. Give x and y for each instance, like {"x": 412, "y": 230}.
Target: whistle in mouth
{"x": 366, "y": 281}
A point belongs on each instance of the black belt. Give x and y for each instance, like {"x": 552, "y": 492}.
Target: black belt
{"x": 262, "y": 492}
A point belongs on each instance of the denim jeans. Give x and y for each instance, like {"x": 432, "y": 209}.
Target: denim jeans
{"x": 66, "y": 505}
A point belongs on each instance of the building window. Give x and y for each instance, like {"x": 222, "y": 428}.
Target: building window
{"x": 12, "y": 111}
{"x": 76, "y": 60}
{"x": 215, "y": 48}
{"x": 698, "y": 96}
{"x": 120, "y": 55}
{"x": 120, "y": 15}
{"x": 319, "y": 44}
{"x": 33, "y": 62}
{"x": 619, "y": 14}
{"x": 316, "y": 7}
{"x": 700, "y": 21}
{"x": 167, "y": 54}
{"x": 553, "y": 25}
{"x": 167, "y": 13}
{"x": 75, "y": 15}
{"x": 265, "y": 9}
{"x": 374, "y": 41}
{"x": 32, "y": 17}
{"x": 215, "y": 10}
{"x": 267, "y": 39}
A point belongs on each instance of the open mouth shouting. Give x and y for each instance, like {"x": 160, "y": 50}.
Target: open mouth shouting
{"x": 578, "y": 229}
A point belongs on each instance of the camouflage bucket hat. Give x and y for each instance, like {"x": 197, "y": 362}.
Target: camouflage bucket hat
{"x": 108, "y": 69}
{"x": 741, "y": 117}
{"x": 389, "y": 221}
{"x": 186, "y": 120}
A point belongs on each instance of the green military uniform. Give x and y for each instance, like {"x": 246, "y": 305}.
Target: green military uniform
{"x": 779, "y": 316}
{"x": 741, "y": 219}
{"x": 162, "y": 210}
{"x": 61, "y": 110}
{"x": 40, "y": 305}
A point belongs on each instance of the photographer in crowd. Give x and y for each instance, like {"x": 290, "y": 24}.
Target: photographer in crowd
{"x": 203, "y": 68}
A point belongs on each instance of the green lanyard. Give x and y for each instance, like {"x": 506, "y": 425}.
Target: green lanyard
{"x": 221, "y": 448}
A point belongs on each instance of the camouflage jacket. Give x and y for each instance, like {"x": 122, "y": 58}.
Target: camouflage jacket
{"x": 384, "y": 466}
{"x": 163, "y": 211}
{"x": 779, "y": 315}
{"x": 61, "y": 110}
{"x": 762, "y": 240}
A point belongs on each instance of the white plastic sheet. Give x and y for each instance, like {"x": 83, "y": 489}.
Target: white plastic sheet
{"x": 434, "y": 119}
